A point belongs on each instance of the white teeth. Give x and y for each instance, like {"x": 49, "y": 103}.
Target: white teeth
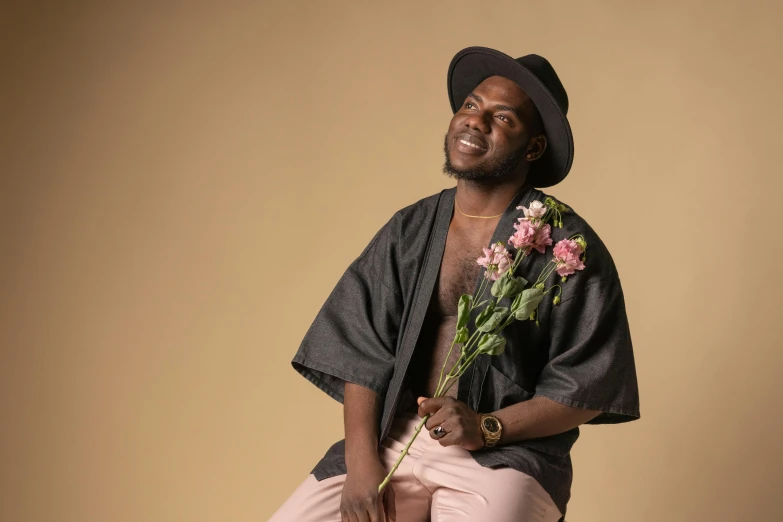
{"x": 469, "y": 144}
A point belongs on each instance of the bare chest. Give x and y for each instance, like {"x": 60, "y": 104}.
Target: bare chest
{"x": 458, "y": 274}
{"x": 459, "y": 270}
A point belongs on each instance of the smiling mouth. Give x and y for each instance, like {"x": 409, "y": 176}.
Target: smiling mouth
{"x": 469, "y": 144}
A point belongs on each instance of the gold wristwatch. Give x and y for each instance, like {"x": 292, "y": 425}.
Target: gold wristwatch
{"x": 491, "y": 427}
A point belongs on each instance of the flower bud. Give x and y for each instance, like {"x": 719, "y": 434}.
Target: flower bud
{"x": 533, "y": 316}
{"x": 556, "y": 300}
{"x": 565, "y": 278}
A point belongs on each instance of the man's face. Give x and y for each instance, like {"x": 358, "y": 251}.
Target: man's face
{"x": 489, "y": 135}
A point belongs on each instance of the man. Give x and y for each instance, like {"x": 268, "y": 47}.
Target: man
{"x": 498, "y": 443}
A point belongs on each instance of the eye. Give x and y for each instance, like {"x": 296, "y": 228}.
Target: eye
{"x": 503, "y": 117}
{"x": 469, "y": 105}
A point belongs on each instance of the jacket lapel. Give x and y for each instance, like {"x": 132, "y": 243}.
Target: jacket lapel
{"x": 421, "y": 300}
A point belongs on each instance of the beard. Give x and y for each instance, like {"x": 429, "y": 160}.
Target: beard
{"x": 493, "y": 171}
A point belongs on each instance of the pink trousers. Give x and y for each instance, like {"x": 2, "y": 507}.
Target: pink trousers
{"x": 437, "y": 483}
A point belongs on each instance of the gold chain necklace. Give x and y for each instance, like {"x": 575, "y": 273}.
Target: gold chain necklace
{"x": 468, "y": 215}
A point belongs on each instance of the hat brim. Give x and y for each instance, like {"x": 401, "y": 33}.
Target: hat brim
{"x": 473, "y": 65}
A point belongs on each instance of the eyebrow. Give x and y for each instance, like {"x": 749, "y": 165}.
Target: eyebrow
{"x": 498, "y": 106}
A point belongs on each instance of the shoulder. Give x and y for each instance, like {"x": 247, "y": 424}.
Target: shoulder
{"x": 418, "y": 214}
{"x": 407, "y": 227}
{"x": 599, "y": 264}
{"x": 415, "y": 219}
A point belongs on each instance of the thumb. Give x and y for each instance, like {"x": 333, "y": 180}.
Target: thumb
{"x": 420, "y": 400}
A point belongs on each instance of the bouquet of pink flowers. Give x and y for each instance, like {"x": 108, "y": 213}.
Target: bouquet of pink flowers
{"x": 533, "y": 232}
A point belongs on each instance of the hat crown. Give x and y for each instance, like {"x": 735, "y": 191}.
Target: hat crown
{"x": 543, "y": 70}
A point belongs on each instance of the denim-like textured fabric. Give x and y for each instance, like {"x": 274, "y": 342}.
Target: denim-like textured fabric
{"x": 580, "y": 355}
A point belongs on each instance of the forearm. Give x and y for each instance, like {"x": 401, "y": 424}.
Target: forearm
{"x": 361, "y": 414}
{"x": 539, "y": 417}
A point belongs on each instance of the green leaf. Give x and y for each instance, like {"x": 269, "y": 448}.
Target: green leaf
{"x": 494, "y": 320}
{"x": 500, "y": 286}
{"x": 507, "y": 285}
{"x": 463, "y": 310}
{"x": 492, "y": 344}
{"x": 526, "y": 302}
{"x": 462, "y": 335}
{"x": 485, "y": 314}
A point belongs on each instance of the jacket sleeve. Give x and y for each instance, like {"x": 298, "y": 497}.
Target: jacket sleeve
{"x": 353, "y": 337}
{"x": 591, "y": 362}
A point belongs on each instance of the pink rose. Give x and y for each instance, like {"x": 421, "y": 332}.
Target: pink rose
{"x": 529, "y": 235}
{"x": 536, "y": 210}
{"x": 567, "y": 254}
{"x": 496, "y": 260}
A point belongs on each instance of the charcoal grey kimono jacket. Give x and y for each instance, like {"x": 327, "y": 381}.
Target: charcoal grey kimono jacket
{"x": 580, "y": 354}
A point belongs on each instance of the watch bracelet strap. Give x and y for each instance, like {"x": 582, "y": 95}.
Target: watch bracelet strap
{"x": 490, "y": 440}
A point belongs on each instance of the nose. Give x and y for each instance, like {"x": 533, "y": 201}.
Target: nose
{"x": 478, "y": 121}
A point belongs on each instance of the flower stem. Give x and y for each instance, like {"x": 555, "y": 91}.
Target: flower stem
{"x": 457, "y": 365}
{"x": 462, "y": 369}
{"x": 402, "y": 454}
{"x": 444, "y": 363}
{"x": 546, "y": 270}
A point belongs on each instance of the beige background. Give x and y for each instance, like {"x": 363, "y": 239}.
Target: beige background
{"x": 183, "y": 184}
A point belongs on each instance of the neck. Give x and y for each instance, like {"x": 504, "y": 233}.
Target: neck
{"x": 480, "y": 199}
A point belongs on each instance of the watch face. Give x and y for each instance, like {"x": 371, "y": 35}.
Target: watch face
{"x": 491, "y": 424}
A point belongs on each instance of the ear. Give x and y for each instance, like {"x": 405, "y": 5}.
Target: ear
{"x": 536, "y": 147}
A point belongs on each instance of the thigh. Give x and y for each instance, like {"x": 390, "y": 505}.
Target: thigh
{"x": 412, "y": 498}
{"x": 319, "y": 501}
{"x": 313, "y": 501}
{"x": 500, "y": 495}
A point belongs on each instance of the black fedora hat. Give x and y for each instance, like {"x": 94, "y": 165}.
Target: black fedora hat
{"x": 538, "y": 79}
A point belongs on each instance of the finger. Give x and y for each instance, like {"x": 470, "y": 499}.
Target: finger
{"x": 449, "y": 439}
{"x": 360, "y": 514}
{"x": 453, "y": 436}
{"x": 368, "y": 515}
{"x": 389, "y": 504}
{"x": 437, "y": 419}
{"x": 449, "y": 426}
{"x": 357, "y": 515}
{"x": 378, "y": 515}
{"x": 421, "y": 411}
{"x": 431, "y": 405}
